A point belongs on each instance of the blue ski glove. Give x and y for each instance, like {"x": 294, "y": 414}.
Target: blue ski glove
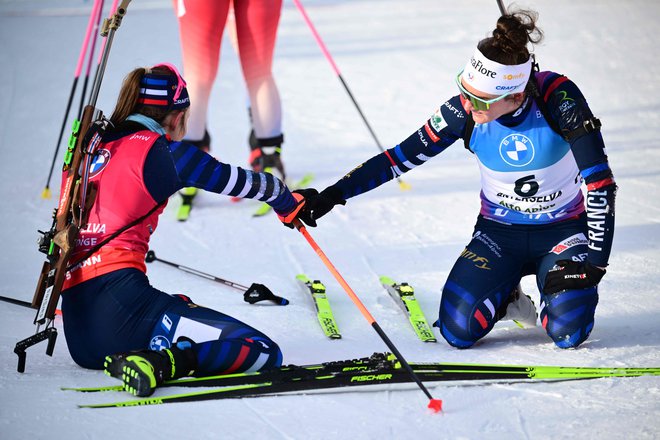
{"x": 568, "y": 275}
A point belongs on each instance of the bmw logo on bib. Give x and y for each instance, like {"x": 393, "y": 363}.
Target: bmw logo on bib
{"x": 100, "y": 161}
{"x": 159, "y": 342}
{"x": 517, "y": 150}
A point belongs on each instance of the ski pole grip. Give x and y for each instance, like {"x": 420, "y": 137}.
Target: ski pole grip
{"x": 258, "y": 292}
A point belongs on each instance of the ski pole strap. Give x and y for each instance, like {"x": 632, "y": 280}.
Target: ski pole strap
{"x": 258, "y": 292}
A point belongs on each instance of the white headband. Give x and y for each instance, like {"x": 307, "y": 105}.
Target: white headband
{"x": 493, "y": 78}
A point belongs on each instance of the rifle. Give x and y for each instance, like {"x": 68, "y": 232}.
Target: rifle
{"x": 76, "y": 198}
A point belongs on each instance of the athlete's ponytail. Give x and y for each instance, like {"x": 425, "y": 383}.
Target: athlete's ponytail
{"x": 128, "y": 96}
{"x": 508, "y": 45}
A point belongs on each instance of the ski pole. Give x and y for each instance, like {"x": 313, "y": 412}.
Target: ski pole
{"x": 253, "y": 294}
{"x": 328, "y": 57}
{"x": 90, "y": 58}
{"x": 20, "y": 302}
{"x": 113, "y": 8}
{"x": 434, "y": 404}
{"x": 96, "y": 9}
{"x": 500, "y": 4}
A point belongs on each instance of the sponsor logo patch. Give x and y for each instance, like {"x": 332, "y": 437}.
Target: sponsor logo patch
{"x": 158, "y": 343}
{"x": 99, "y": 162}
{"x": 479, "y": 261}
{"x": 517, "y": 150}
{"x": 430, "y": 133}
{"x": 575, "y": 240}
{"x": 437, "y": 121}
{"x": 166, "y": 323}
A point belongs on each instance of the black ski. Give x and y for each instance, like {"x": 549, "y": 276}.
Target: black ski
{"x": 380, "y": 368}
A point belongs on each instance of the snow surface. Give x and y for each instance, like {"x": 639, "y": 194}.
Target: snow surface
{"x": 399, "y": 59}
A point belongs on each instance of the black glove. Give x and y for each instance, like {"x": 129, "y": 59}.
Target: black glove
{"x": 304, "y": 214}
{"x": 569, "y": 274}
{"x": 319, "y": 204}
{"x": 297, "y": 211}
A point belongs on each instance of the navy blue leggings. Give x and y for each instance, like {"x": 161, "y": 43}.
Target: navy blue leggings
{"x": 498, "y": 256}
{"x": 121, "y": 311}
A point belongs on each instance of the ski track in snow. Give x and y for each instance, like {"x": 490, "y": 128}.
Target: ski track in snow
{"x": 267, "y": 420}
{"x": 398, "y": 59}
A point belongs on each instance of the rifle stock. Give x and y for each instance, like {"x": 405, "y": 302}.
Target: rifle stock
{"x": 58, "y": 244}
{"x": 64, "y": 231}
{"x": 71, "y": 213}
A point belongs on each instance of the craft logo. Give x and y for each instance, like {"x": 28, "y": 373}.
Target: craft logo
{"x": 506, "y": 88}
{"x": 458, "y": 113}
{"x": 182, "y": 101}
{"x": 99, "y": 162}
{"x": 517, "y": 150}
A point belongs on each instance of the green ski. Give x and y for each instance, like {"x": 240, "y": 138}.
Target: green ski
{"x": 323, "y": 311}
{"x": 404, "y": 295}
{"x": 265, "y": 208}
{"x": 379, "y": 362}
{"x": 283, "y": 373}
{"x": 380, "y": 368}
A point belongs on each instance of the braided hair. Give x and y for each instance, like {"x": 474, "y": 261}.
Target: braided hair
{"x": 508, "y": 44}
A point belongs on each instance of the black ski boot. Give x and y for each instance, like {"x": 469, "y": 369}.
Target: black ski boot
{"x": 265, "y": 155}
{"x": 142, "y": 371}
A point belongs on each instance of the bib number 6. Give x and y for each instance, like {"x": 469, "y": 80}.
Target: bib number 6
{"x": 526, "y": 186}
